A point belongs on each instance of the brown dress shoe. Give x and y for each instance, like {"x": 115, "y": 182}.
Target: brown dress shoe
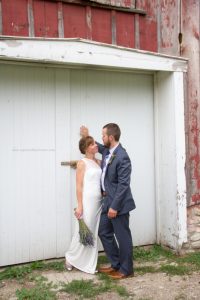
{"x": 107, "y": 270}
{"x": 119, "y": 275}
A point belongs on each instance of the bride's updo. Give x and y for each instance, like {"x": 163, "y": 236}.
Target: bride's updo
{"x": 85, "y": 142}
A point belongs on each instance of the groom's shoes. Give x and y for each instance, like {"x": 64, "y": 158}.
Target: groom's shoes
{"x": 119, "y": 275}
{"x": 107, "y": 270}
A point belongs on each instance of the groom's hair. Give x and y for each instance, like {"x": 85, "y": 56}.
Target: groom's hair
{"x": 84, "y": 143}
{"x": 114, "y": 130}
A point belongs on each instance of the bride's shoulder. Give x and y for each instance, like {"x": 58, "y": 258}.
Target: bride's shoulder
{"x": 81, "y": 164}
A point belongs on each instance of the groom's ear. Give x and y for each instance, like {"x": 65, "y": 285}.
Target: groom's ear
{"x": 111, "y": 137}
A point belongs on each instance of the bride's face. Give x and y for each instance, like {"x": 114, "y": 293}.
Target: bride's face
{"x": 92, "y": 148}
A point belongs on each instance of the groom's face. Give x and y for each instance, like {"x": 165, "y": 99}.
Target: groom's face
{"x": 105, "y": 138}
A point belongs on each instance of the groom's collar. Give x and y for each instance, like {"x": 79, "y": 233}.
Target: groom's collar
{"x": 111, "y": 150}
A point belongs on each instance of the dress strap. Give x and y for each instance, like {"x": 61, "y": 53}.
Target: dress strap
{"x": 85, "y": 161}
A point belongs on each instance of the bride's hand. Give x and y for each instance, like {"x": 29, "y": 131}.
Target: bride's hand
{"x": 84, "y": 132}
{"x": 78, "y": 212}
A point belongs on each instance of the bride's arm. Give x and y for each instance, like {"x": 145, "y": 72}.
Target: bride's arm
{"x": 80, "y": 171}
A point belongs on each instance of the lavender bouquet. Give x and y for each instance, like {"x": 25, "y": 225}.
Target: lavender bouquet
{"x": 86, "y": 236}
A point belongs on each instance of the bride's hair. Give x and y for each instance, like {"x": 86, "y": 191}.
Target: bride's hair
{"x": 85, "y": 142}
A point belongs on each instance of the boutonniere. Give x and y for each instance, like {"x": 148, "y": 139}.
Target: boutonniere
{"x": 111, "y": 159}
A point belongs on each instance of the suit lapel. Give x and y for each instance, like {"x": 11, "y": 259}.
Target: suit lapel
{"x": 103, "y": 157}
{"x": 110, "y": 160}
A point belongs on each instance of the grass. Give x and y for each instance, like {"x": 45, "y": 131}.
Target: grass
{"x": 88, "y": 289}
{"x": 192, "y": 258}
{"x": 184, "y": 265}
{"x": 41, "y": 291}
{"x": 145, "y": 269}
{"x": 20, "y": 272}
{"x": 175, "y": 270}
{"x": 154, "y": 253}
{"x": 121, "y": 290}
{"x": 102, "y": 259}
{"x": 84, "y": 288}
{"x": 15, "y": 272}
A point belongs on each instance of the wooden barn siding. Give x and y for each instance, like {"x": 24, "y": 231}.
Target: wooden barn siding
{"x": 14, "y": 18}
{"x": 191, "y": 49}
{"x": 156, "y": 31}
{"x": 102, "y": 25}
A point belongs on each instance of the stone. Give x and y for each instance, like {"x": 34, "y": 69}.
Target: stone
{"x": 196, "y": 245}
{"x": 195, "y": 237}
{"x": 197, "y": 211}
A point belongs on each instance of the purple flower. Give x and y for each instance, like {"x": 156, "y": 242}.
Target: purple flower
{"x": 86, "y": 236}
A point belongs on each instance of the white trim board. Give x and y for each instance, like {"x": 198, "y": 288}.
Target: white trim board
{"x": 86, "y": 54}
{"x": 169, "y": 111}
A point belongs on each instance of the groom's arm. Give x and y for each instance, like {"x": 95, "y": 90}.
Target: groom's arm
{"x": 101, "y": 147}
{"x": 124, "y": 175}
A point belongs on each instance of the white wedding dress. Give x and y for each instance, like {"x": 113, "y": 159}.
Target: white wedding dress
{"x": 82, "y": 257}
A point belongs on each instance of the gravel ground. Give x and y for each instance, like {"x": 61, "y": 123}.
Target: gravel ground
{"x": 150, "y": 286}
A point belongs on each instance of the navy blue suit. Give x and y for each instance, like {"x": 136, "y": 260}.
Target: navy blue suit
{"x": 118, "y": 197}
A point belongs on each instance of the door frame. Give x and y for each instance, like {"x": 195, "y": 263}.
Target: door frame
{"x": 168, "y": 71}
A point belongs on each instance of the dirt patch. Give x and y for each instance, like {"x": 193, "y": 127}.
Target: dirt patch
{"x": 161, "y": 286}
{"x": 7, "y": 290}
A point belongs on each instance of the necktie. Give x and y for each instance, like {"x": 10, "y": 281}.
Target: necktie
{"x": 105, "y": 158}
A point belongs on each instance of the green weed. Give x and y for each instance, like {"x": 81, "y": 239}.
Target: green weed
{"x": 174, "y": 270}
{"x": 154, "y": 253}
{"x": 39, "y": 292}
{"x": 102, "y": 259}
{"x": 84, "y": 288}
{"x": 88, "y": 289}
{"x": 20, "y": 272}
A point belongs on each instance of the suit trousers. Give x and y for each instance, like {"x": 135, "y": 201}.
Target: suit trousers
{"x": 120, "y": 252}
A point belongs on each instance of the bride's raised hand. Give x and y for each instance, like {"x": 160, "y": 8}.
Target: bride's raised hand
{"x": 84, "y": 132}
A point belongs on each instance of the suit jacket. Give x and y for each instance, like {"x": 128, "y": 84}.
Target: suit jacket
{"x": 117, "y": 181}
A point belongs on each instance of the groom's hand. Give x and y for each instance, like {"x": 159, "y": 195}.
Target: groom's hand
{"x": 112, "y": 213}
{"x": 84, "y": 132}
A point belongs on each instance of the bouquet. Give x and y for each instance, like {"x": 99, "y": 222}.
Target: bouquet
{"x": 86, "y": 236}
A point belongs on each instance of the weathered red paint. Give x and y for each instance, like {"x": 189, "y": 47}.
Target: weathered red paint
{"x": 169, "y": 27}
{"x": 45, "y": 18}
{"x": 89, "y": 22}
{"x": 14, "y": 17}
{"x": 101, "y": 25}
{"x": 127, "y": 3}
{"x": 148, "y": 25}
{"x": 125, "y": 33}
{"x": 190, "y": 49}
{"x": 196, "y": 198}
{"x": 74, "y": 21}
{"x": 148, "y": 38}
{"x": 149, "y": 6}
{"x": 122, "y": 3}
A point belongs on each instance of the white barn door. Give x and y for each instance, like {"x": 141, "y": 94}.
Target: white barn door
{"x": 35, "y": 217}
{"x": 99, "y": 97}
{"x": 41, "y": 110}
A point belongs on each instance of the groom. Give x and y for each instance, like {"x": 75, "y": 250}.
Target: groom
{"x": 117, "y": 203}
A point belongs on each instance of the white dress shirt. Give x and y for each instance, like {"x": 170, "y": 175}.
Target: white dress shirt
{"x": 107, "y": 159}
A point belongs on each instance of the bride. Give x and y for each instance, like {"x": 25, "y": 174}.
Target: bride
{"x": 88, "y": 192}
